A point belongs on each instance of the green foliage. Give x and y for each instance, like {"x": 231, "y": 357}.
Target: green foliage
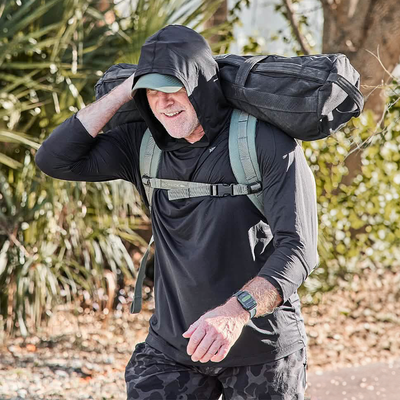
{"x": 236, "y": 9}
{"x": 359, "y": 223}
{"x": 252, "y": 46}
{"x": 58, "y": 239}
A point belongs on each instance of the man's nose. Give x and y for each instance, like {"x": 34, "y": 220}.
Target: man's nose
{"x": 165, "y": 99}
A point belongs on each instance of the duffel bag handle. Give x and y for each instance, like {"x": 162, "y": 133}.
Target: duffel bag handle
{"x": 350, "y": 89}
{"x": 245, "y": 68}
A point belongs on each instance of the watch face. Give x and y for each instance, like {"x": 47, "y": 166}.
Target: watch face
{"x": 247, "y": 300}
{"x": 246, "y": 297}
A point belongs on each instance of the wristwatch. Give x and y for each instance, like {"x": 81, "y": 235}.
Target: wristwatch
{"x": 246, "y": 300}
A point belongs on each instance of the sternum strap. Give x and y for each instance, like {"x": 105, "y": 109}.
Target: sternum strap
{"x": 184, "y": 190}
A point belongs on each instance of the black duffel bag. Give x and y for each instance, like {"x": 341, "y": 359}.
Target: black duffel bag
{"x": 308, "y": 97}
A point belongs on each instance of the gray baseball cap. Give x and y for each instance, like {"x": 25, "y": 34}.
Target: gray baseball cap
{"x": 160, "y": 82}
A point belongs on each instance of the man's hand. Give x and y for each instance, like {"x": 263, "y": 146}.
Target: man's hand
{"x": 215, "y": 332}
{"x": 96, "y": 115}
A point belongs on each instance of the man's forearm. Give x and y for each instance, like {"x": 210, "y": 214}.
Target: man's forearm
{"x": 215, "y": 332}
{"x": 265, "y": 294}
{"x": 96, "y": 115}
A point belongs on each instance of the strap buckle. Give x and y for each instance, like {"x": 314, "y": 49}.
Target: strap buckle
{"x": 222, "y": 189}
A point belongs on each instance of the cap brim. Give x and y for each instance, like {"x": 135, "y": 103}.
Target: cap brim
{"x": 162, "y": 83}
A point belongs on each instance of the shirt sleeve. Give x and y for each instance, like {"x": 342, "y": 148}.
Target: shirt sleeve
{"x": 71, "y": 153}
{"x": 290, "y": 208}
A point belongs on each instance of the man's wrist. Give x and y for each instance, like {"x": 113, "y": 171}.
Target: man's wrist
{"x": 236, "y": 310}
{"x": 123, "y": 92}
{"x": 247, "y": 302}
{"x": 127, "y": 84}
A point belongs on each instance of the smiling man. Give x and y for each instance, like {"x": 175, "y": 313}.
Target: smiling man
{"x": 227, "y": 318}
{"x": 170, "y": 104}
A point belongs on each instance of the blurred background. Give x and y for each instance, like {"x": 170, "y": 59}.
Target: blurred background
{"x": 69, "y": 251}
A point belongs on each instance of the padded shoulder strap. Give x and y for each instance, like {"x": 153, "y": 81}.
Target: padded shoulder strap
{"x": 149, "y": 158}
{"x": 242, "y": 153}
{"x": 150, "y": 155}
{"x": 136, "y": 305}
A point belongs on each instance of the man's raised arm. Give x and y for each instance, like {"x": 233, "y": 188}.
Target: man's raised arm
{"x": 96, "y": 115}
{"x": 75, "y": 152}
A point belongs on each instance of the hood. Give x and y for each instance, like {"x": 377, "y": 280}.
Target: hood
{"x": 183, "y": 53}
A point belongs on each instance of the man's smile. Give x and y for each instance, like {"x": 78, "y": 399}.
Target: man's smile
{"x": 171, "y": 114}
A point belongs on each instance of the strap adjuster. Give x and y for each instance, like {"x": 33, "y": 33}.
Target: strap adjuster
{"x": 146, "y": 180}
{"x": 254, "y": 187}
{"x": 222, "y": 190}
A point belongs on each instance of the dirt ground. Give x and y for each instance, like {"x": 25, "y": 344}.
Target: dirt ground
{"x": 368, "y": 382}
{"x": 354, "y": 348}
{"x": 354, "y": 340}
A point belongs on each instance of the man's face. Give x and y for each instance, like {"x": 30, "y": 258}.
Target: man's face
{"x": 176, "y": 114}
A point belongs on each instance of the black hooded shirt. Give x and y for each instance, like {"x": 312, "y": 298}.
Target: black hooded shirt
{"x": 207, "y": 248}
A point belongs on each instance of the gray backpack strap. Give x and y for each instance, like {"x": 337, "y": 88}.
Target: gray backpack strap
{"x": 149, "y": 158}
{"x": 243, "y": 155}
{"x": 136, "y": 305}
{"x": 150, "y": 155}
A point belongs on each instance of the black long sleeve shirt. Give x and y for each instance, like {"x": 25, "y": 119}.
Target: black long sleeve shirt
{"x": 207, "y": 248}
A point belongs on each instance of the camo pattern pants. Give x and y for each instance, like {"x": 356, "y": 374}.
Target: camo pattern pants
{"x": 151, "y": 375}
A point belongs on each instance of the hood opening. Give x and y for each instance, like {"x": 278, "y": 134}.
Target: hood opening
{"x": 181, "y": 52}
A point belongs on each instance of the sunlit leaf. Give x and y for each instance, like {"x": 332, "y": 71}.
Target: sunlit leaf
{"x": 10, "y": 162}
{"x": 18, "y": 137}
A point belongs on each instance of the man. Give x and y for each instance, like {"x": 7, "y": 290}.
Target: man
{"x": 204, "y": 339}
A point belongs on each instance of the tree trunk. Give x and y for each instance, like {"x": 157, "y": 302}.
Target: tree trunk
{"x": 219, "y": 17}
{"x": 358, "y": 27}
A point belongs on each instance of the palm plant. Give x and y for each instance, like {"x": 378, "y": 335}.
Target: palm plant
{"x": 57, "y": 238}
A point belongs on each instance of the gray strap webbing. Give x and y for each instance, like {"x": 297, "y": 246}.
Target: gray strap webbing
{"x": 150, "y": 155}
{"x": 345, "y": 85}
{"x": 242, "y": 153}
{"x": 245, "y": 69}
{"x": 136, "y": 305}
{"x": 185, "y": 190}
{"x": 149, "y": 159}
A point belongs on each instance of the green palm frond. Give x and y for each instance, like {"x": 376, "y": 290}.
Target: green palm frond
{"x": 10, "y": 162}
